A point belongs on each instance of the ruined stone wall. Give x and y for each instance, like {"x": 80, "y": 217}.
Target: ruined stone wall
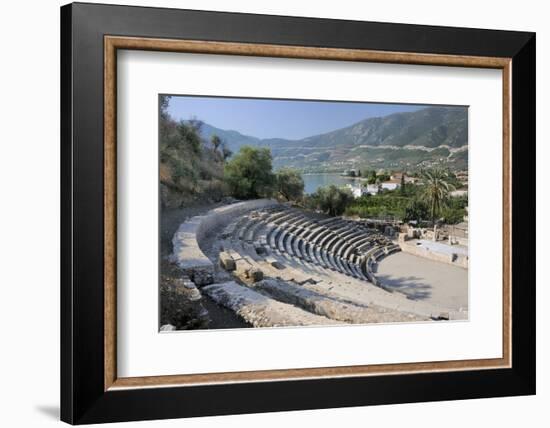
{"x": 451, "y": 259}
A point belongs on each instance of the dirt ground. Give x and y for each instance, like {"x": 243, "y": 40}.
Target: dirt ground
{"x": 426, "y": 280}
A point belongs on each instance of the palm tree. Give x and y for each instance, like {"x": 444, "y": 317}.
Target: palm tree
{"x": 436, "y": 190}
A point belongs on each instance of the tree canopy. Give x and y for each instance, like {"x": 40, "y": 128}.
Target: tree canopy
{"x": 249, "y": 173}
{"x": 416, "y": 211}
{"x": 190, "y": 168}
{"x": 332, "y": 200}
{"x": 435, "y": 191}
{"x": 290, "y": 184}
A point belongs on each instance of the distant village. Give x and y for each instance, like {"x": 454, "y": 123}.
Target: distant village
{"x": 375, "y": 182}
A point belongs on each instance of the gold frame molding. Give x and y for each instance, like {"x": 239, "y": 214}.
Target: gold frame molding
{"x": 113, "y": 43}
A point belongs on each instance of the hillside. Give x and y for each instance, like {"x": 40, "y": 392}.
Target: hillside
{"x": 401, "y": 140}
{"x": 430, "y": 127}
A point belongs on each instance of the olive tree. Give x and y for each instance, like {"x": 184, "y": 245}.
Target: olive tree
{"x": 332, "y": 200}
{"x": 290, "y": 184}
{"x": 249, "y": 173}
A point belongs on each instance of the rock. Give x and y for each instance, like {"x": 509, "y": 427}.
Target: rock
{"x": 305, "y": 281}
{"x": 255, "y": 274}
{"x": 187, "y": 283}
{"x": 167, "y": 327}
{"x": 277, "y": 265}
{"x": 229, "y": 200}
{"x": 242, "y": 267}
{"x": 187, "y": 288}
{"x": 181, "y": 304}
{"x": 227, "y": 262}
{"x": 202, "y": 277}
{"x": 260, "y": 250}
{"x": 194, "y": 294}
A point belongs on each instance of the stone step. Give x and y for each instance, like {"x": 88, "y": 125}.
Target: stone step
{"x": 260, "y": 310}
{"x": 363, "y": 293}
{"x": 317, "y": 303}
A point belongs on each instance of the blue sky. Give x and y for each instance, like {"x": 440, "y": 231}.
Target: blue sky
{"x": 269, "y": 118}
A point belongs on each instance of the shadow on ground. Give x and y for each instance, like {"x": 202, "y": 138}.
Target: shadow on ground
{"x": 412, "y": 286}
{"x": 51, "y": 411}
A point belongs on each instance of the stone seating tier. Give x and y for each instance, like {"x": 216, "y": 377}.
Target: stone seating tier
{"x": 344, "y": 246}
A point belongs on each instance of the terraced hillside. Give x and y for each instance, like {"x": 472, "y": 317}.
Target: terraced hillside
{"x": 432, "y": 135}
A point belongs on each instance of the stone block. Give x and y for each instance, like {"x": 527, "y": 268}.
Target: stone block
{"x": 227, "y": 262}
{"x": 202, "y": 277}
{"x": 255, "y": 274}
{"x": 260, "y": 250}
{"x": 242, "y": 267}
{"x": 187, "y": 288}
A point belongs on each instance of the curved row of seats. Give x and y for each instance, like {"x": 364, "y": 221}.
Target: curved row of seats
{"x": 345, "y": 246}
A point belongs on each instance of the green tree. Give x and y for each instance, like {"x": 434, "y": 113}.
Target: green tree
{"x": 382, "y": 205}
{"x": 402, "y": 184}
{"x": 190, "y": 168}
{"x": 416, "y": 211}
{"x": 189, "y": 136}
{"x": 226, "y": 152}
{"x": 249, "y": 173}
{"x": 164, "y": 102}
{"x": 435, "y": 191}
{"x": 383, "y": 176}
{"x": 455, "y": 210}
{"x": 371, "y": 177}
{"x": 452, "y": 216}
{"x": 216, "y": 142}
{"x": 290, "y": 184}
{"x": 332, "y": 200}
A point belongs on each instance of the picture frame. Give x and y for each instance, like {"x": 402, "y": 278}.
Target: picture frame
{"x": 91, "y": 391}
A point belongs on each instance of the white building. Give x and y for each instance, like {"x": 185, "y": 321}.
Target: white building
{"x": 458, "y": 193}
{"x": 372, "y": 189}
{"x": 356, "y": 190}
{"x": 362, "y": 190}
{"x": 359, "y": 190}
{"x": 389, "y": 185}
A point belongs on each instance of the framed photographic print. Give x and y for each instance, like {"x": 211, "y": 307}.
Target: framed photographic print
{"x": 265, "y": 213}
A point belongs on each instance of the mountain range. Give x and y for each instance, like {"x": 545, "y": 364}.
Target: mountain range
{"x": 400, "y": 140}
